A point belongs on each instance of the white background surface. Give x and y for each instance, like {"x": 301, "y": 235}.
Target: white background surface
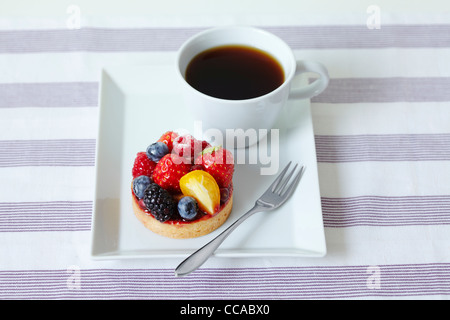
{"x": 351, "y": 246}
{"x": 315, "y": 11}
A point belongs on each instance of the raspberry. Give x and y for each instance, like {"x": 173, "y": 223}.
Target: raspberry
{"x": 143, "y": 166}
{"x": 159, "y": 202}
{"x": 188, "y": 147}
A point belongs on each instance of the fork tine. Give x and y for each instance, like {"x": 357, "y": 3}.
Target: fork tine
{"x": 279, "y": 178}
{"x": 290, "y": 189}
{"x": 279, "y": 189}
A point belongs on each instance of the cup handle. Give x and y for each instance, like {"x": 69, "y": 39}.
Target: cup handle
{"x": 314, "y": 88}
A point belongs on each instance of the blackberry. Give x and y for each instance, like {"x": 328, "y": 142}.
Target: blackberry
{"x": 159, "y": 202}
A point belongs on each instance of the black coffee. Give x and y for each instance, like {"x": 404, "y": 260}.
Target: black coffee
{"x": 234, "y": 72}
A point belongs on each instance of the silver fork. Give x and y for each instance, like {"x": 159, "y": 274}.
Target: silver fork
{"x": 276, "y": 195}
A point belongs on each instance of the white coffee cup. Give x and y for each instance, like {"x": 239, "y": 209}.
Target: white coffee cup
{"x": 255, "y": 113}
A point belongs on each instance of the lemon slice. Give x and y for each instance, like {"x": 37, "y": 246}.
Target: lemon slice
{"x": 204, "y": 188}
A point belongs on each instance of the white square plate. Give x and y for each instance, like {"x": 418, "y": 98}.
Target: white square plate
{"x": 137, "y": 105}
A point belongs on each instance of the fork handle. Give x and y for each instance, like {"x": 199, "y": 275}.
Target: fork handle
{"x": 196, "y": 259}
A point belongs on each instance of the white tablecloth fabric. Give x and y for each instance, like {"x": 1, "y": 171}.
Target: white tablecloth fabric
{"x": 382, "y": 132}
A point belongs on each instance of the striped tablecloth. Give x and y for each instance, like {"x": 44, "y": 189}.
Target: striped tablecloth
{"x": 382, "y": 132}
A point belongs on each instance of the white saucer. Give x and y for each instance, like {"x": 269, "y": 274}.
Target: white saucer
{"x": 137, "y": 105}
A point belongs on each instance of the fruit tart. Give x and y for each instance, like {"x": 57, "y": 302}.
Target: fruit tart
{"x": 182, "y": 187}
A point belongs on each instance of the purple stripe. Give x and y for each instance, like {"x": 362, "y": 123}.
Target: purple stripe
{"x": 62, "y": 152}
{"x": 388, "y": 147}
{"x": 359, "y": 36}
{"x": 360, "y": 90}
{"x": 50, "y": 94}
{"x": 240, "y": 283}
{"x": 385, "y": 211}
{"x": 94, "y": 40}
{"x": 45, "y": 216}
{"x": 337, "y": 212}
{"x": 170, "y": 39}
{"x": 340, "y": 90}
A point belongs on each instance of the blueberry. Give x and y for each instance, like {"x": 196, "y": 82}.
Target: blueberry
{"x": 224, "y": 195}
{"x": 157, "y": 150}
{"x": 139, "y": 185}
{"x": 187, "y": 208}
